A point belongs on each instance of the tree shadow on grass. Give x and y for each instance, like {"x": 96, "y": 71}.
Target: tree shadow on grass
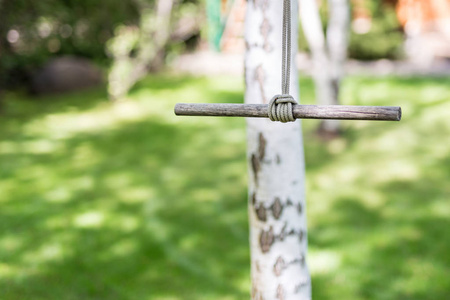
{"x": 398, "y": 250}
{"x": 414, "y": 266}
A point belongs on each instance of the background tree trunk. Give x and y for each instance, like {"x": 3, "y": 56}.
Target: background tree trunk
{"x": 153, "y": 35}
{"x": 278, "y": 236}
{"x": 313, "y": 30}
{"x": 337, "y": 41}
{"x": 328, "y": 57}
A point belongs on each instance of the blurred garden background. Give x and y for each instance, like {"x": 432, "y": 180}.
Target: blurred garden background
{"x": 105, "y": 194}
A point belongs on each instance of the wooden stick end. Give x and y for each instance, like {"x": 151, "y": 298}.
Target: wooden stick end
{"x": 177, "y": 109}
{"x": 399, "y": 114}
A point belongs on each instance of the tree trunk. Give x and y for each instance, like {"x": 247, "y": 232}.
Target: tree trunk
{"x": 328, "y": 58}
{"x": 154, "y": 33}
{"x": 337, "y": 40}
{"x": 312, "y": 27}
{"x": 278, "y": 236}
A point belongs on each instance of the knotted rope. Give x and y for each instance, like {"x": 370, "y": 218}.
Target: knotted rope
{"x": 280, "y": 107}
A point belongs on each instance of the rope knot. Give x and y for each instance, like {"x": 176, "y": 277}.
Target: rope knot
{"x": 280, "y": 108}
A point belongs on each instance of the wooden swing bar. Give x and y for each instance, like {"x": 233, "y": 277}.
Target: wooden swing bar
{"x": 333, "y": 112}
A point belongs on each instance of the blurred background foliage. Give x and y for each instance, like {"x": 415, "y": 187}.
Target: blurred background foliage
{"x": 383, "y": 39}
{"x": 55, "y": 28}
{"x": 375, "y": 34}
{"x": 32, "y": 32}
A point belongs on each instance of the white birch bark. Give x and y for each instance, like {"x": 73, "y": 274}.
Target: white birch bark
{"x": 278, "y": 237}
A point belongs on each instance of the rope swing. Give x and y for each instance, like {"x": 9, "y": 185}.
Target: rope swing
{"x": 280, "y": 107}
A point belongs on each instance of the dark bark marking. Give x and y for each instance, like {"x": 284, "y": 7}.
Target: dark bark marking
{"x": 249, "y": 46}
{"x": 261, "y": 213}
{"x": 300, "y": 286}
{"x": 282, "y": 265}
{"x": 260, "y": 77}
{"x": 299, "y": 208}
{"x": 267, "y": 46}
{"x": 303, "y": 260}
{"x": 277, "y": 208}
{"x": 265, "y": 30}
{"x": 278, "y": 159}
{"x": 279, "y": 266}
{"x": 262, "y": 147}
{"x": 283, "y": 233}
{"x": 258, "y": 266}
{"x": 256, "y": 167}
{"x": 266, "y": 240}
{"x": 301, "y": 235}
{"x": 280, "y": 292}
{"x": 256, "y": 294}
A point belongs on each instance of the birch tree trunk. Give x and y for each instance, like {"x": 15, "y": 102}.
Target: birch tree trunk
{"x": 151, "y": 38}
{"x": 278, "y": 237}
{"x": 312, "y": 27}
{"x": 337, "y": 40}
{"x": 328, "y": 54}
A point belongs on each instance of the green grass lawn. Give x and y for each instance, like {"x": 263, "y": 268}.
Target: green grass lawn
{"x": 127, "y": 201}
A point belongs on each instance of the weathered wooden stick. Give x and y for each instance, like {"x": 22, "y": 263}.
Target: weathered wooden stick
{"x": 341, "y": 112}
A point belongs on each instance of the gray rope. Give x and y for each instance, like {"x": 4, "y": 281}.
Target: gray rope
{"x": 286, "y": 60}
{"x": 280, "y": 107}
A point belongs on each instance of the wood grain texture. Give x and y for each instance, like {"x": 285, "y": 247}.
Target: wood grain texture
{"x": 332, "y": 112}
